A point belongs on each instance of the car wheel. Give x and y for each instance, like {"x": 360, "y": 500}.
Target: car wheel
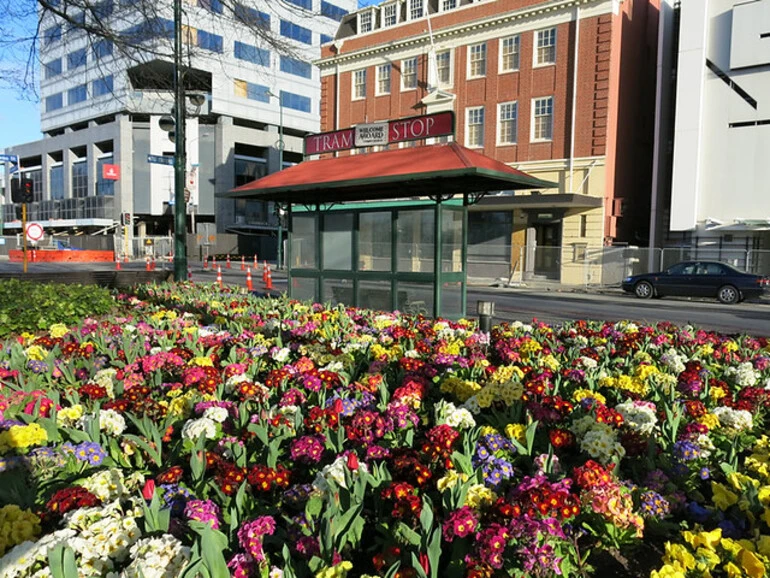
{"x": 728, "y": 295}
{"x": 643, "y": 290}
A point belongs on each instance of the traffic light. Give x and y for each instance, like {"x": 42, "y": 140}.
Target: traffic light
{"x": 125, "y": 219}
{"x": 22, "y": 191}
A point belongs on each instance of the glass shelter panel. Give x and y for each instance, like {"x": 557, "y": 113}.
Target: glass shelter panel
{"x": 303, "y": 288}
{"x": 415, "y": 298}
{"x": 303, "y": 242}
{"x": 337, "y": 237}
{"x": 452, "y": 300}
{"x": 375, "y": 295}
{"x": 414, "y": 241}
{"x": 451, "y": 240}
{"x": 336, "y": 291}
{"x": 374, "y": 241}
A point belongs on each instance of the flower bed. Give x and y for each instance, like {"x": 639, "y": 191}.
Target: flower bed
{"x": 210, "y": 433}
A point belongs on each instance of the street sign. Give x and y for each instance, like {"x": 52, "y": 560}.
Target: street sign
{"x": 160, "y": 160}
{"x": 10, "y": 159}
{"x": 34, "y": 231}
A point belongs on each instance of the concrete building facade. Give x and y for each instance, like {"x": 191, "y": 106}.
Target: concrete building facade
{"x": 712, "y": 194}
{"x": 561, "y": 89}
{"x": 101, "y": 106}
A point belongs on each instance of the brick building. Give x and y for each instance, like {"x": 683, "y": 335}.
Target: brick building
{"x": 561, "y": 89}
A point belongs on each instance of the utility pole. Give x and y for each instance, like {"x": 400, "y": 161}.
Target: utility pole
{"x": 279, "y": 258}
{"x": 180, "y": 153}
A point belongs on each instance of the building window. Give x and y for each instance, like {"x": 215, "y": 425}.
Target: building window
{"x": 444, "y": 67}
{"x": 104, "y": 186}
{"x": 251, "y": 16}
{"x": 296, "y": 67}
{"x": 583, "y": 225}
{"x": 252, "y": 91}
{"x": 331, "y": 11}
{"x": 359, "y": 84}
{"x": 389, "y": 15}
{"x": 416, "y": 9}
{"x": 365, "y": 22}
{"x": 76, "y": 59}
{"x": 102, "y": 86}
{"x": 325, "y": 39}
{"x": 214, "y": 6}
{"x": 102, "y": 10}
{"x": 542, "y": 112}
{"x": 77, "y": 94}
{"x": 296, "y": 32}
{"x": 248, "y": 169}
{"x": 477, "y": 60}
{"x": 52, "y": 34}
{"x": 54, "y": 102}
{"x": 383, "y": 79}
{"x": 474, "y": 130}
{"x": 79, "y": 179}
{"x": 507, "y": 116}
{"x": 509, "y": 53}
{"x": 252, "y": 54}
{"x": 102, "y": 49}
{"x": 295, "y": 101}
{"x": 209, "y": 41}
{"x": 306, "y": 4}
{"x": 448, "y": 5}
{"x": 56, "y": 182}
{"x": 545, "y": 43}
{"x": 52, "y": 69}
{"x": 409, "y": 74}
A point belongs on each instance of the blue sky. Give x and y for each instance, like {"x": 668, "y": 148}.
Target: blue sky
{"x": 20, "y": 117}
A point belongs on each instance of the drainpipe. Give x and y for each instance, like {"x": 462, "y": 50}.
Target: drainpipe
{"x": 574, "y": 101}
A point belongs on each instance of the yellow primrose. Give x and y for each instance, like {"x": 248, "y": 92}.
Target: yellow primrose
{"x": 731, "y": 546}
{"x": 709, "y": 540}
{"x": 516, "y": 431}
{"x": 201, "y": 362}
{"x": 709, "y": 420}
{"x": 732, "y": 570}
{"x": 669, "y": 571}
{"x": 763, "y": 545}
{"x": 678, "y": 553}
{"x": 723, "y": 498}
{"x": 450, "y": 480}
{"x": 580, "y": 394}
{"x": 707, "y": 558}
{"x": 738, "y": 481}
{"x": 752, "y": 565}
{"x": 36, "y": 352}
{"x": 716, "y": 393}
{"x": 58, "y": 330}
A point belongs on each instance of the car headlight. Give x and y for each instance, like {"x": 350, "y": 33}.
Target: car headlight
{"x": 627, "y": 280}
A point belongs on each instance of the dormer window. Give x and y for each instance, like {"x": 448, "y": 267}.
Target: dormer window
{"x": 416, "y": 9}
{"x": 448, "y": 5}
{"x": 365, "y": 22}
{"x": 389, "y": 14}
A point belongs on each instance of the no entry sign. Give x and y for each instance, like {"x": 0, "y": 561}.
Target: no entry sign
{"x": 35, "y": 231}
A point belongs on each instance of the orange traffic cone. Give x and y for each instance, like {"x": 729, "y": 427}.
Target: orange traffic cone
{"x": 269, "y": 282}
{"x": 117, "y": 263}
{"x": 213, "y": 262}
{"x": 249, "y": 284}
{"x": 256, "y": 265}
{"x": 243, "y": 263}
{"x": 153, "y": 263}
{"x": 147, "y": 264}
{"x": 205, "y": 263}
{"x": 125, "y": 258}
{"x": 228, "y": 261}
{"x": 219, "y": 276}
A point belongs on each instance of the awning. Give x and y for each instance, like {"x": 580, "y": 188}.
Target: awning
{"x": 444, "y": 169}
{"x": 544, "y": 201}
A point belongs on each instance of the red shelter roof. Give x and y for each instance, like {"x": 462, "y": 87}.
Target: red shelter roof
{"x": 444, "y": 169}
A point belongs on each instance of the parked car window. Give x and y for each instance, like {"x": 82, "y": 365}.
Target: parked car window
{"x": 711, "y": 269}
{"x": 682, "y": 269}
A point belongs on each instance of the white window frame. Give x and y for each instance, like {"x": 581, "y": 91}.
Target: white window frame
{"x": 411, "y": 4}
{"x": 383, "y": 14}
{"x": 356, "y": 84}
{"x": 378, "y": 72}
{"x": 404, "y": 87}
{"x": 517, "y": 42}
{"x": 500, "y": 141}
{"x": 468, "y": 112}
{"x": 535, "y": 116}
{"x": 451, "y": 67}
{"x": 443, "y": 8}
{"x": 470, "y": 74}
{"x": 370, "y": 14}
{"x": 536, "y": 47}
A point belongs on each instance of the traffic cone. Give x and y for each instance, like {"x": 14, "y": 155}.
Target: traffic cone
{"x": 249, "y": 283}
{"x": 213, "y": 261}
{"x": 153, "y": 263}
{"x": 264, "y": 272}
{"x": 125, "y": 258}
{"x": 269, "y": 282}
{"x": 219, "y": 276}
{"x": 256, "y": 265}
{"x": 243, "y": 263}
{"x": 205, "y": 263}
{"x": 228, "y": 261}
{"x": 147, "y": 264}
{"x": 117, "y": 263}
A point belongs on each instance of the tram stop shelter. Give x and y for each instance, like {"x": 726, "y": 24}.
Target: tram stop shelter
{"x": 386, "y": 230}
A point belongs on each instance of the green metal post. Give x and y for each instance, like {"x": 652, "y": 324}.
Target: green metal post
{"x": 288, "y": 249}
{"x": 437, "y": 264}
{"x": 464, "y": 292}
{"x": 280, "y": 168}
{"x": 180, "y": 156}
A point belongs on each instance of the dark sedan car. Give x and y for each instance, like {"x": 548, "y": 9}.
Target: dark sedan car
{"x": 698, "y": 279}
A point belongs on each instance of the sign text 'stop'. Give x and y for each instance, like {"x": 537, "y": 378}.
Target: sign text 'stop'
{"x": 405, "y": 129}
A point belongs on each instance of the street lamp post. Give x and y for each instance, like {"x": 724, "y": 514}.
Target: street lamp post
{"x": 180, "y": 153}
{"x": 279, "y": 258}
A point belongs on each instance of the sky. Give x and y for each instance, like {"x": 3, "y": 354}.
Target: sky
{"x": 20, "y": 117}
